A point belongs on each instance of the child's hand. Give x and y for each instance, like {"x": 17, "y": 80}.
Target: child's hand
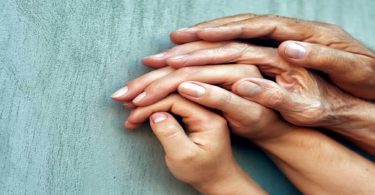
{"x": 199, "y": 155}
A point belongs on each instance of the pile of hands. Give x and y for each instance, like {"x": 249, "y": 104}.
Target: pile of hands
{"x": 276, "y": 81}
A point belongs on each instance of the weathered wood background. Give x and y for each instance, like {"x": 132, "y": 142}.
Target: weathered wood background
{"x": 60, "y": 60}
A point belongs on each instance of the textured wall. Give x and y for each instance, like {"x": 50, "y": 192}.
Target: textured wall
{"x": 60, "y": 60}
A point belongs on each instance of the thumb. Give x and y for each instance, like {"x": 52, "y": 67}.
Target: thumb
{"x": 170, "y": 134}
{"x": 320, "y": 57}
{"x": 264, "y": 92}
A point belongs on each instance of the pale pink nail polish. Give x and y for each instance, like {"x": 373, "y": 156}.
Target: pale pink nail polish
{"x": 139, "y": 97}
{"x": 158, "y": 117}
{"x": 192, "y": 89}
{"x": 120, "y": 92}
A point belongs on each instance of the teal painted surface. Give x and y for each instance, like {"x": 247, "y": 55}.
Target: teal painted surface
{"x": 59, "y": 62}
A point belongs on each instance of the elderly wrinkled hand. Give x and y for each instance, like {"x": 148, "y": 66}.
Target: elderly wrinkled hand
{"x": 316, "y": 45}
{"x": 302, "y": 97}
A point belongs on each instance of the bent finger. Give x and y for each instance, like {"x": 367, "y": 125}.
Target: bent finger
{"x": 170, "y": 134}
{"x": 194, "y": 116}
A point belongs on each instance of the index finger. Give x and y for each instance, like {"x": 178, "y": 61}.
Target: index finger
{"x": 194, "y": 116}
{"x": 273, "y": 27}
{"x": 189, "y": 34}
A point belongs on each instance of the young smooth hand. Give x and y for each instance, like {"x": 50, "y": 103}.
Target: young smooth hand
{"x": 252, "y": 120}
{"x": 201, "y": 153}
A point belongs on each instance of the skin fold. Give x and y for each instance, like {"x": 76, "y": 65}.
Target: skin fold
{"x": 328, "y": 48}
{"x": 218, "y": 75}
{"x": 190, "y": 165}
{"x": 258, "y": 124}
{"x": 301, "y": 96}
{"x": 201, "y": 153}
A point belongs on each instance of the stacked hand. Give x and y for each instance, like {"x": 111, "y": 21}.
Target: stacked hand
{"x": 223, "y": 75}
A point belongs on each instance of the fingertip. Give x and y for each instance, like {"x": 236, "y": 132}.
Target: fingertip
{"x": 235, "y": 85}
{"x": 293, "y": 50}
{"x": 192, "y": 89}
{"x": 248, "y": 87}
{"x": 120, "y": 94}
{"x": 129, "y": 105}
{"x": 131, "y": 126}
{"x": 140, "y": 99}
{"x": 153, "y": 62}
{"x": 158, "y": 117}
{"x": 177, "y": 61}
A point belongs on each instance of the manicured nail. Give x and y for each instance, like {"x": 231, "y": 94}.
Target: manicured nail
{"x": 248, "y": 89}
{"x": 295, "y": 50}
{"x": 160, "y": 55}
{"x": 178, "y": 57}
{"x": 120, "y": 92}
{"x": 158, "y": 117}
{"x": 139, "y": 97}
{"x": 192, "y": 89}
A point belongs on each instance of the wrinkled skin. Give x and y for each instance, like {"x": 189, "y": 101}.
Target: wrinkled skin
{"x": 302, "y": 97}
{"x": 350, "y": 65}
{"x": 312, "y": 100}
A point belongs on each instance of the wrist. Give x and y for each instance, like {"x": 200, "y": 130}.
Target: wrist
{"x": 234, "y": 181}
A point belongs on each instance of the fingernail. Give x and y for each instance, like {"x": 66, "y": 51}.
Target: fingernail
{"x": 248, "y": 89}
{"x": 160, "y": 55}
{"x": 192, "y": 89}
{"x": 295, "y": 50}
{"x": 139, "y": 97}
{"x": 120, "y": 92}
{"x": 178, "y": 57}
{"x": 158, "y": 117}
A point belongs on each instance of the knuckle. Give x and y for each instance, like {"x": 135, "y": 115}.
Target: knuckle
{"x": 276, "y": 98}
{"x": 174, "y": 98}
{"x": 219, "y": 99}
{"x": 247, "y": 70}
{"x": 186, "y": 71}
{"x": 221, "y": 122}
{"x": 156, "y": 87}
{"x": 314, "y": 114}
{"x": 257, "y": 115}
{"x": 335, "y": 27}
{"x": 213, "y": 121}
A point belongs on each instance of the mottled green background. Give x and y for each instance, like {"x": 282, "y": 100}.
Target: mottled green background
{"x": 60, "y": 60}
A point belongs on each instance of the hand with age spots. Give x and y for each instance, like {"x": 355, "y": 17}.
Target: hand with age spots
{"x": 311, "y": 44}
{"x": 301, "y": 96}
